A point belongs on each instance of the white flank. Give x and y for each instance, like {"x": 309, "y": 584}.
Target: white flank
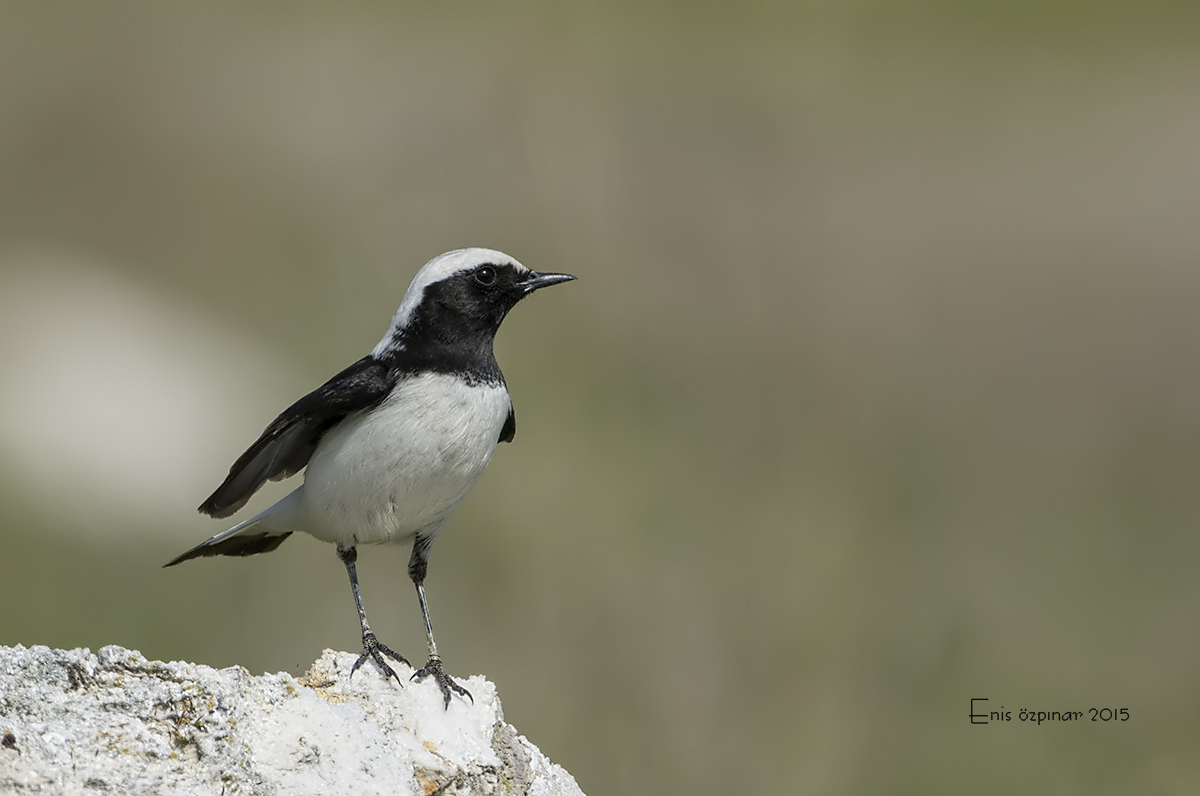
{"x": 405, "y": 466}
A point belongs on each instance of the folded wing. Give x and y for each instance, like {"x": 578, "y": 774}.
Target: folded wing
{"x": 288, "y": 443}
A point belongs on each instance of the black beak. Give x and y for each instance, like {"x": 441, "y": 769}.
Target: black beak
{"x": 538, "y": 280}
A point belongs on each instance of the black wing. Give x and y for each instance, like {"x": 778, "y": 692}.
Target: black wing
{"x": 510, "y": 426}
{"x": 288, "y": 443}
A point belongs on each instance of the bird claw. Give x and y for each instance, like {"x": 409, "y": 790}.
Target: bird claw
{"x": 445, "y": 682}
{"x": 374, "y": 649}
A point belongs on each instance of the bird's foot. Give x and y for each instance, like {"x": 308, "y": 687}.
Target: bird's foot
{"x": 445, "y": 682}
{"x": 374, "y": 649}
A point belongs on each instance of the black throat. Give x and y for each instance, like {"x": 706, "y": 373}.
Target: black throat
{"x": 448, "y": 334}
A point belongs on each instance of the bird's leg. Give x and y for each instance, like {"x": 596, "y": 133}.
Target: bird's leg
{"x": 373, "y": 648}
{"x": 417, "y": 565}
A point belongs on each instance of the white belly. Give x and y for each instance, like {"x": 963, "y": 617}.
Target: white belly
{"x": 385, "y": 474}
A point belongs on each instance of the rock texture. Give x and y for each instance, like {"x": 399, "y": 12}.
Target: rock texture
{"x": 76, "y": 723}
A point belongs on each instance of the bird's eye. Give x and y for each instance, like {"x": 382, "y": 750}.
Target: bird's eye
{"x": 485, "y": 275}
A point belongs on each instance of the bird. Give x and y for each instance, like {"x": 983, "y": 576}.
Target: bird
{"x": 391, "y": 446}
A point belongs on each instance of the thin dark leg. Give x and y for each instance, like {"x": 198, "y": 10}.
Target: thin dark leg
{"x": 372, "y": 647}
{"x": 417, "y": 565}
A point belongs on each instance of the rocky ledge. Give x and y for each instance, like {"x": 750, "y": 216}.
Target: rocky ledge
{"x": 76, "y": 723}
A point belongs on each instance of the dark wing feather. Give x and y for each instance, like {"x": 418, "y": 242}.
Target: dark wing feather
{"x": 510, "y": 426}
{"x": 288, "y": 443}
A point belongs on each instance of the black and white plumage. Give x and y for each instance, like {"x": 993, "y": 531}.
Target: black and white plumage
{"x": 391, "y": 445}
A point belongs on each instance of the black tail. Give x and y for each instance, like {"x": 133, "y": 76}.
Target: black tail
{"x": 240, "y": 544}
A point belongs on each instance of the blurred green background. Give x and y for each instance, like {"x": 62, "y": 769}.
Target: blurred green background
{"x": 878, "y": 390}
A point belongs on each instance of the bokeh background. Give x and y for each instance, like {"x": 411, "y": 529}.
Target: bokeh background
{"x": 878, "y": 391}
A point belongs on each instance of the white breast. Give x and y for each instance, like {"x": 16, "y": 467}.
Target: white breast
{"x": 384, "y": 474}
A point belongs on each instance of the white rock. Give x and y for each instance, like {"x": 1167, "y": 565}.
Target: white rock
{"x": 76, "y": 723}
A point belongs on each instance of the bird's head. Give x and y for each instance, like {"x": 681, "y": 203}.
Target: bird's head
{"x": 463, "y": 295}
